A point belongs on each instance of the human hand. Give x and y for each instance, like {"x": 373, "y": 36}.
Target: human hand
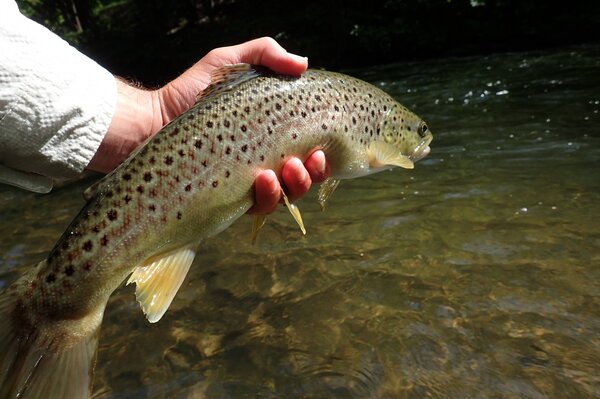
{"x": 180, "y": 94}
{"x": 142, "y": 113}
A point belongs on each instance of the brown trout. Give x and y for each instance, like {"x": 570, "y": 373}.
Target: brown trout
{"x": 188, "y": 182}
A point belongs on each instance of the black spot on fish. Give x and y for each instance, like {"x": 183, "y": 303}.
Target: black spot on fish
{"x": 50, "y": 278}
{"x": 126, "y": 176}
{"x": 179, "y": 215}
{"x": 69, "y": 270}
{"x": 112, "y": 214}
{"x": 87, "y": 246}
{"x": 188, "y": 187}
{"x": 140, "y": 189}
{"x": 181, "y": 153}
{"x": 226, "y": 123}
{"x": 245, "y": 148}
{"x": 198, "y": 144}
{"x": 324, "y": 126}
{"x": 147, "y": 176}
{"x": 244, "y": 128}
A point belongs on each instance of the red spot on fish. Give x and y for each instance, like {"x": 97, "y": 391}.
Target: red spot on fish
{"x": 104, "y": 240}
{"x": 87, "y": 266}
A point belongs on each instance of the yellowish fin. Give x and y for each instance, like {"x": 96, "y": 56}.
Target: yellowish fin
{"x": 158, "y": 280}
{"x": 385, "y": 154}
{"x": 325, "y": 190}
{"x": 257, "y": 224}
{"x": 294, "y": 211}
{"x": 46, "y": 360}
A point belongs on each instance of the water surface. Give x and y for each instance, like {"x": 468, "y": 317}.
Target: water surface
{"x": 476, "y": 275}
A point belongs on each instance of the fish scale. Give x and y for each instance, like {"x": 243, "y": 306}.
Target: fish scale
{"x": 188, "y": 182}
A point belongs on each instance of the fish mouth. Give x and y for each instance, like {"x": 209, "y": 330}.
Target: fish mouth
{"x": 422, "y": 149}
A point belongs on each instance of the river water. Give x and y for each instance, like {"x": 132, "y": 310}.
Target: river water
{"x": 476, "y": 275}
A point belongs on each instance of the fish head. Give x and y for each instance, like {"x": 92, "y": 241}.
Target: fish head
{"x": 407, "y": 132}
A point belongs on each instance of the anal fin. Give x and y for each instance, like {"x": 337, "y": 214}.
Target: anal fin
{"x": 158, "y": 280}
{"x": 326, "y": 189}
{"x": 294, "y": 211}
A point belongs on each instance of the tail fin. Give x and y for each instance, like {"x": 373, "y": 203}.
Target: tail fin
{"x": 40, "y": 361}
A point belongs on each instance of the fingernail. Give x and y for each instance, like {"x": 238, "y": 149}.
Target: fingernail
{"x": 298, "y": 58}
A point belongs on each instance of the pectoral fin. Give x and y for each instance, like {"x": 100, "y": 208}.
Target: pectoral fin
{"x": 158, "y": 280}
{"x": 294, "y": 211}
{"x": 325, "y": 190}
{"x": 384, "y": 154}
{"x": 257, "y": 224}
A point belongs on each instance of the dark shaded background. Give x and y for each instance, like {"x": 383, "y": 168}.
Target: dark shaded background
{"x": 153, "y": 41}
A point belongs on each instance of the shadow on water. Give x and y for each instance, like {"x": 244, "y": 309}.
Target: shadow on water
{"x": 475, "y": 275}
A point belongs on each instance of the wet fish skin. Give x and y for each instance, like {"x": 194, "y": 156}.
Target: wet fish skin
{"x": 189, "y": 182}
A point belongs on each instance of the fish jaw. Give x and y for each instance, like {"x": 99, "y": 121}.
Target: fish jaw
{"x": 422, "y": 149}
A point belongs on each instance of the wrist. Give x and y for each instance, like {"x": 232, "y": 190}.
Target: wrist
{"x": 137, "y": 116}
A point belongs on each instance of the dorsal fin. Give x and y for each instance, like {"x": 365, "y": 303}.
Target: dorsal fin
{"x": 227, "y": 77}
{"x": 89, "y": 192}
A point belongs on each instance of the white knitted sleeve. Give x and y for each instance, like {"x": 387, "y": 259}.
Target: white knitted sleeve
{"x": 55, "y": 104}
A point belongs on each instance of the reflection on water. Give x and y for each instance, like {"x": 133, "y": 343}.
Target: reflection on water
{"x": 475, "y": 275}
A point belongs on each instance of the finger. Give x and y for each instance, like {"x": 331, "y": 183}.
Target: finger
{"x": 317, "y": 166}
{"x": 267, "y": 193}
{"x": 267, "y": 52}
{"x": 296, "y": 179}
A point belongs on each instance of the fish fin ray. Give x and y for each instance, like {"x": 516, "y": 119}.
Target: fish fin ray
{"x": 257, "y": 223}
{"x": 384, "y": 154}
{"x": 92, "y": 190}
{"x": 326, "y": 189}
{"x": 294, "y": 211}
{"x": 158, "y": 280}
{"x": 226, "y": 78}
{"x": 37, "y": 363}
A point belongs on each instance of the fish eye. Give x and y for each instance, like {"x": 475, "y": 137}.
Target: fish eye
{"x": 423, "y": 129}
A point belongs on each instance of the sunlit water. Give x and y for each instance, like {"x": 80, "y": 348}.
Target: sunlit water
{"x": 477, "y": 275}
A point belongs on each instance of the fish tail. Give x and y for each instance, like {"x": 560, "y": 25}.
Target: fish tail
{"x": 41, "y": 361}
